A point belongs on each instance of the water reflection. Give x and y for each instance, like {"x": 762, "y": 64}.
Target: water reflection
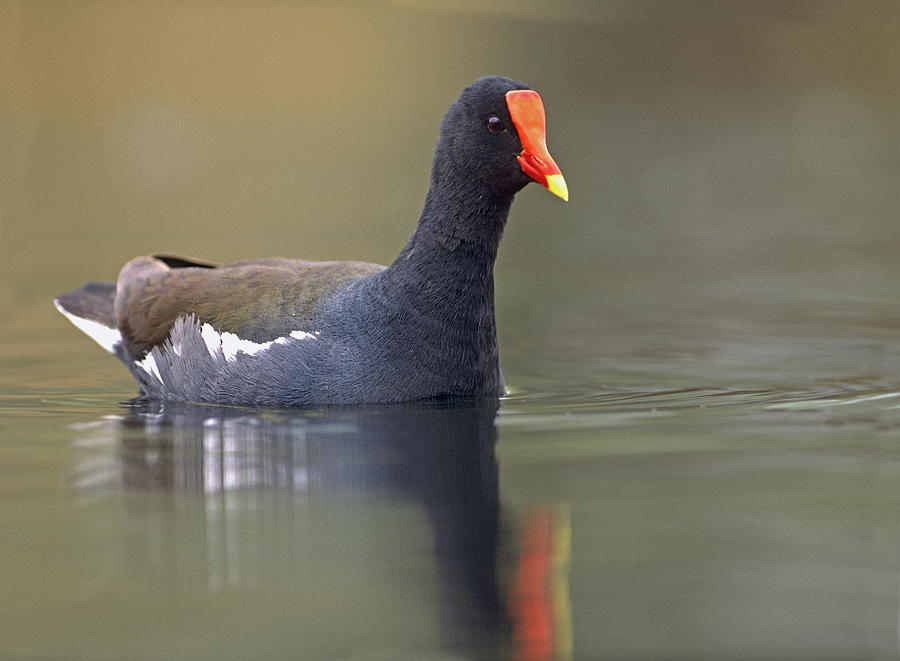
{"x": 242, "y": 485}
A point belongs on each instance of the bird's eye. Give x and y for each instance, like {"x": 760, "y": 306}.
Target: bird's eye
{"x": 495, "y": 125}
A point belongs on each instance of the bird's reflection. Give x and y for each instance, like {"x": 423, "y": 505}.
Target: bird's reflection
{"x": 243, "y": 464}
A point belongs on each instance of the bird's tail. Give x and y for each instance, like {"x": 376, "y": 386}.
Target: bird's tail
{"x": 90, "y": 308}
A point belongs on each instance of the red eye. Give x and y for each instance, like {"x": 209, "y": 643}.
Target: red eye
{"x": 495, "y": 125}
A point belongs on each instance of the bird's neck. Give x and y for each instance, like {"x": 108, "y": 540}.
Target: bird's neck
{"x": 447, "y": 265}
{"x": 437, "y": 299}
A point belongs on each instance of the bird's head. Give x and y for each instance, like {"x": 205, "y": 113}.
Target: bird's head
{"x": 495, "y": 132}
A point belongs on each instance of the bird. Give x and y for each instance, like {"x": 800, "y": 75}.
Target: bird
{"x": 292, "y": 333}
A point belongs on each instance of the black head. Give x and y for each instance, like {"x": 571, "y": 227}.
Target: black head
{"x": 496, "y": 143}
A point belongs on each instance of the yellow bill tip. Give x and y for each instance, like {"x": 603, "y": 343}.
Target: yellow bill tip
{"x": 557, "y": 185}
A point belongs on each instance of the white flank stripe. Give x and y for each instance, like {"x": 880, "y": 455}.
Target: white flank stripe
{"x": 212, "y": 339}
{"x": 105, "y": 336}
{"x": 148, "y": 364}
{"x": 231, "y": 344}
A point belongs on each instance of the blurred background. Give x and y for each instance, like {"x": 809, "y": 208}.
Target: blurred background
{"x": 730, "y": 163}
{"x": 702, "y": 345}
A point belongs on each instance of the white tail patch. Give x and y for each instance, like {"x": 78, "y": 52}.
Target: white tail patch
{"x": 230, "y": 344}
{"x": 106, "y": 337}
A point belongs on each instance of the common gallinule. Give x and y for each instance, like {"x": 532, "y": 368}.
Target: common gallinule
{"x": 283, "y": 332}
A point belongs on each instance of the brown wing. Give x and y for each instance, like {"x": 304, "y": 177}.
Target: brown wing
{"x": 259, "y": 300}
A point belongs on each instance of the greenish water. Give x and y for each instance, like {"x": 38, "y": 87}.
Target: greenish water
{"x": 700, "y": 454}
{"x": 701, "y": 524}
